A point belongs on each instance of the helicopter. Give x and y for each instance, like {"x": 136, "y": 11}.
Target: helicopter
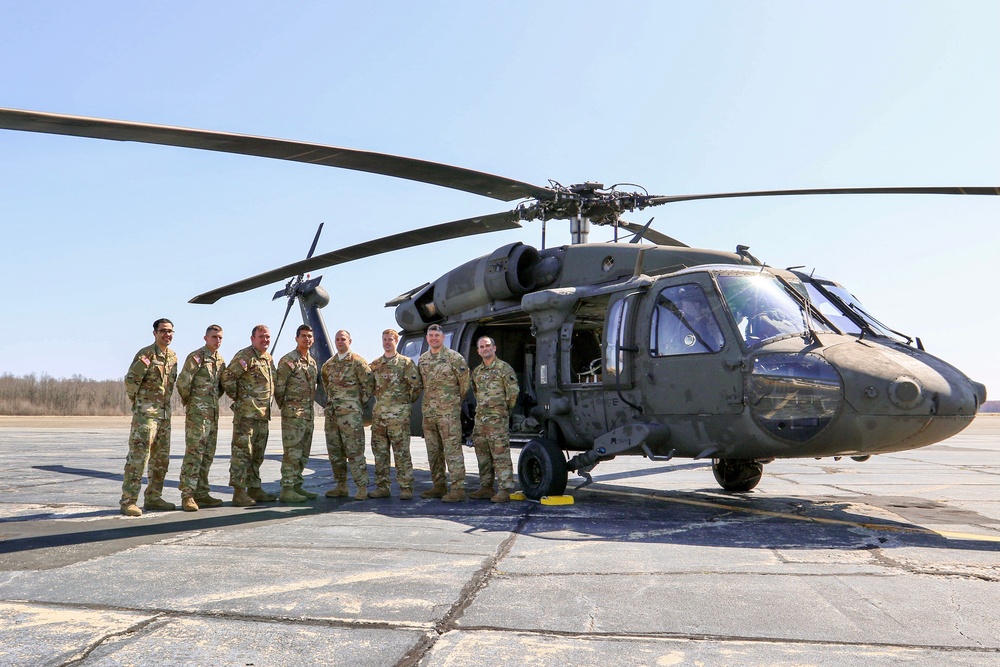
{"x": 627, "y": 348}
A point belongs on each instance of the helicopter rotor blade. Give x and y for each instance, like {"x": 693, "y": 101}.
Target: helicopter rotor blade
{"x": 448, "y": 230}
{"x": 651, "y": 234}
{"x": 312, "y": 248}
{"x": 434, "y": 173}
{"x": 670, "y": 199}
{"x": 288, "y": 309}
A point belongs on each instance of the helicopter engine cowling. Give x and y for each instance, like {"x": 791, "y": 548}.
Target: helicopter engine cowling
{"x": 506, "y": 273}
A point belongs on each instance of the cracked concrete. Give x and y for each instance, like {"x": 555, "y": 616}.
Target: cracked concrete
{"x": 892, "y": 561}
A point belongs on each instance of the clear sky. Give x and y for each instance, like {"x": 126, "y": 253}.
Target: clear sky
{"x": 100, "y": 238}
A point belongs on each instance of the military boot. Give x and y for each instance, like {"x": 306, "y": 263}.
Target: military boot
{"x": 131, "y": 510}
{"x": 189, "y": 505}
{"x": 502, "y": 496}
{"x": 241, "y": 499}
{"x": 436, "y": 491}
{"x": 290, "y": 496}
{"x": 302, "y": 492}
{"x": 207, "y": 501}
{"x": 260, "y": 495}
{"x": 405, "y": 494}
{"x": 339, "y": 491}
{"x": 362, "y": 494}
{"x": 484, "y": 493}
{"x": 379, "y": 492}
{"x": 157, "y": 504}
{"x": 456, "y": 495}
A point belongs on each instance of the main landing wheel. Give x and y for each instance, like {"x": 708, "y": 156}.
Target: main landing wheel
{"x": 542, "y": 469}
{"x": 737, "y": 474}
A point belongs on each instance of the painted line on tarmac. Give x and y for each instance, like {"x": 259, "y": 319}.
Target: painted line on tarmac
{"x": 809, "y": 519}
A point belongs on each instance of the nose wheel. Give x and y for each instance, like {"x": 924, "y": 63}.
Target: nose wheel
{"x": 737, "y": 475}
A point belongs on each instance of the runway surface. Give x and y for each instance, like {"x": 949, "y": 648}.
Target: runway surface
{"x": 895, "y": 561}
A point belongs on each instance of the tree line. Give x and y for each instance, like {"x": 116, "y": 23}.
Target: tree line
{"x": 43, "y": 395}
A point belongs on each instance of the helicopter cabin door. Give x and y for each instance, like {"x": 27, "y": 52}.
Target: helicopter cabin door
{"x": 690, "y": 362}
{"x": 622, "y": 395}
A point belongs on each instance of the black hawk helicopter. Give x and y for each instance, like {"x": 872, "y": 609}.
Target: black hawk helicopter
{"x": 656, "y": 350}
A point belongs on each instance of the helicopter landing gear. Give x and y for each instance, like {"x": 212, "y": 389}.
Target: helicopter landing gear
{"x": 542, "y": 469}
{"x": 737, "y": 475}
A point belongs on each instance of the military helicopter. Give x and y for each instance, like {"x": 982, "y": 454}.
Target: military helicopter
{"x": 625, "y": 348}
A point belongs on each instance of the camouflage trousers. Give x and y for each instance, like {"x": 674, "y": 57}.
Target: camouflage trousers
{"x": 491, "y": 437}
{"x": 443, "y": 437}
{"x": 345, "y": 445}
{"x": 201, "y": 436}
{"x": 392, "y": 432}
{"x": 249, "y": 442}
{"x": 296, "y": 441}
{"x": 148, "y": 441}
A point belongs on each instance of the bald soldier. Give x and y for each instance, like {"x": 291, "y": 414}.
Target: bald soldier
{"x": 349, "y": 384}
{"x": 200, "y": 386}
{"x": 295, "y": 393}
{"x": 397, "y": 387}
{"x": 249, "y": 381}
{"x": 149, "y": 383}
{"x": 446, "y": 382}
{"x": 494, "y": 384}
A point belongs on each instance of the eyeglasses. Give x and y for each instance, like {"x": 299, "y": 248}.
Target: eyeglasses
{"x": 165, "y": 331}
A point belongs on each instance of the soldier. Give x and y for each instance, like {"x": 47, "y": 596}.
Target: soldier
{"x": 495, "y": 387}
{"x": 446, "y": 382}
{"x": 149, "y": 384}
{"x": 397, "y": 386}
{"x": 249, "y": 381}
{"x": 349, "y": 384}
{"x": 295, "y": 392}
{"x": 200, "y": 386}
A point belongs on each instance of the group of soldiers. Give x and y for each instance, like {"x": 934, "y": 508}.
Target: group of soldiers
{"x": 252, "y": 381}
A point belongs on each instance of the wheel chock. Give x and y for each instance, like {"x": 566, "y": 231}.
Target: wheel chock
{"x": 546, "y": 500}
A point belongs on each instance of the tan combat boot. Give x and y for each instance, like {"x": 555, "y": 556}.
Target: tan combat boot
{"x": 260, "y": 495}
{"x": 241, "y": 499}
{"x": 456, "y": 495}
{"x": 379, "y": 492}
{"x": 158, "y": 504}
{"x": 484, "y": 493}
{"x": 405, "y": 494}
{"x": 436, "y": 491}
{"x": 302, "y": 492}
{"x": 339, "y": 491}
{"x": 289, "y": 496}
{"x": 207, "y": 501}
{"x": 189, "y": 505}
{"x": 502, "y": 496}
{"x": 131, "y": 510}
{"x": 362, "y": 494}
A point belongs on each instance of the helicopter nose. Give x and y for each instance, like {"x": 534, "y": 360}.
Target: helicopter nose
{"x": 980, "y": 391}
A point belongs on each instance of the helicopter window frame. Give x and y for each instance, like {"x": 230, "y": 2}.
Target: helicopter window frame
{"x": 762, "y": 307}
{"x": 701, "y": 335}
{"x": 619, "y": 336}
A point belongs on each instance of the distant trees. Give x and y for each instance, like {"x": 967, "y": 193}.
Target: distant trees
{"x": 34, "y": 395}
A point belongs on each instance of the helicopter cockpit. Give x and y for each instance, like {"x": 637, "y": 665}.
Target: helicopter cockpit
{"x": 764, "y": 310}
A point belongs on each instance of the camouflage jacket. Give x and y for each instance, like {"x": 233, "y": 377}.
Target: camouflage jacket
{"x": 295, "y": 388}
{"x": 446, "y": 381}
{"x": 348, "y": 383}
{"x": 200, "y": 381}
{"x": 249, "y": 381}
{"x": 495, "y": 388}
{"x": 150, "y": 382}
{"x": 397, "y": 386}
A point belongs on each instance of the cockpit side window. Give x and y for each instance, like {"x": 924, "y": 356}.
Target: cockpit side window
{"x": 682, "y": 323}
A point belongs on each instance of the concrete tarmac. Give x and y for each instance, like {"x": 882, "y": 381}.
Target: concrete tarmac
{"x": 895, "y": 561}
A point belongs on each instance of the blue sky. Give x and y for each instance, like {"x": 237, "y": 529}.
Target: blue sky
{"x": 100, "y": 238}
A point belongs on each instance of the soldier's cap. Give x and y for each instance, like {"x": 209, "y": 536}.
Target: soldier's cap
{"x": 435, "y": 327}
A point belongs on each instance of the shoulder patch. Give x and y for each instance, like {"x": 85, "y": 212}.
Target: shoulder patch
{"x": 144, "y": 359}
{"x": 243, "y": 363}
{"x": 197, "y": 359}
{"x": 291, "y": 365}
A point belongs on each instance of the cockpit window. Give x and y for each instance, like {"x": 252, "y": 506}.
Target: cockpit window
{"x": 830, "y": 311}
{"x": 761, "y": 307}
{"x": 683, "y": 323}
{"x": 852, "y": 303}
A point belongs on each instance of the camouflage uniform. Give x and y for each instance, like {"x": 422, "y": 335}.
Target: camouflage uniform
{"x": 148, "y": 384}
{"x": 397, "y": 386}
{"x": 349, "y": 385}
{"x": 495, "y": 388}
{"x": 200, "y": 386}
{"x": 295, "y": 393}
{"x": 446, "y": 382}
{"x": 249, "y": 381}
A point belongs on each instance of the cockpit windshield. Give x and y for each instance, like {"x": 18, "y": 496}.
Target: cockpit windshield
{"x": 762, "y": 308}
{"x": 850, "y": 302}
